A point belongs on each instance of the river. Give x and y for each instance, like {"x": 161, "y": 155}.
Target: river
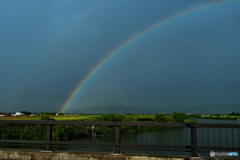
{"x": 178, "y": 136}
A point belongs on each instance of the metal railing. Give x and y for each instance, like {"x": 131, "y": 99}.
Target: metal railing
{"x": 193, "y": 137}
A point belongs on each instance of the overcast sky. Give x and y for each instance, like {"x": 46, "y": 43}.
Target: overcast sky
{"x": 49, "y": 46}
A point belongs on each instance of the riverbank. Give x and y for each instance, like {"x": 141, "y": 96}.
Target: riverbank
{"x": 217, "y": 117}
{"x": 106, "y": 117}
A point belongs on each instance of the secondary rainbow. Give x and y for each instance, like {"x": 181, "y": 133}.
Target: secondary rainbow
{"x": 82, "y": 83}
{"x": 51, "y": 48}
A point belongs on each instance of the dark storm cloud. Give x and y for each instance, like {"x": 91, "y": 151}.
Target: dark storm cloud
{"x": 48, "y": 47}
{"x": 193, "y": 65}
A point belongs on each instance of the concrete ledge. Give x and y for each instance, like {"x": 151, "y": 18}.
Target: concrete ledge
{"x": 27, "y": 154}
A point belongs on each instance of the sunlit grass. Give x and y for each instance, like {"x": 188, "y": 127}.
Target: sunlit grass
{"x": 87, "y": 118}
{"x": 189, "y": 120}
{"x": 219, "y": 116}
{"x": 58, "y": 118}
{"x": 20, "y": 118}
{"x": 77, "y": 117}
{"x": 140, "y": 116}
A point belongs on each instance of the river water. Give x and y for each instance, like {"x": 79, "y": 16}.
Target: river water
{"x": 178, "y": 136}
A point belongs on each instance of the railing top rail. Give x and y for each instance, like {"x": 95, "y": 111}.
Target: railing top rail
{"x": 153, "y": 124}
{"x": 103, "y": 123}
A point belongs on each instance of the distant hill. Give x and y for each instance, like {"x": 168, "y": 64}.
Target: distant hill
{"x": 202, "y": 109}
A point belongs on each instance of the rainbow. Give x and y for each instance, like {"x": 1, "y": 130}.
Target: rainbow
{"x": 51, "y": 48}
{"x": 125, "y": 44}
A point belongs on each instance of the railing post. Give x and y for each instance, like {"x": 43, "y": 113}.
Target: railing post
{"x": 194, "y": 141}
{"x": 117, "y": 139}
{"x": 48, "y": 137}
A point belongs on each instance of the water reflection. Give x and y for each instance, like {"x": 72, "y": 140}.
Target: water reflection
{"x": 218, "y": 137}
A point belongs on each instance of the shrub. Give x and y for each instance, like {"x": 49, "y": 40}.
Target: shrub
{"x": 161, "y": 118}
{"x": 179, "y": 117}
{"x": 45, "y": 116}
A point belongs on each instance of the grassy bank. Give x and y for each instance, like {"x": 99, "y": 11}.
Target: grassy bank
{"x": 218, "y": 117}
{"x": 126, "y": 118}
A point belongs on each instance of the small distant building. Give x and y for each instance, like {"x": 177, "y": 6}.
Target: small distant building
{"x": 19, "y": 114}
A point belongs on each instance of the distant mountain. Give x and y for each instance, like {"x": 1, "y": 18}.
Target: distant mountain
{"x": 202, "y": 109}
{"x": 109, "y": 109}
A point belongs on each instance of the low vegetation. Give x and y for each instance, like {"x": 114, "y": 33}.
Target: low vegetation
{"x": 175, "y": 117}
{"x": 230, "y": 116}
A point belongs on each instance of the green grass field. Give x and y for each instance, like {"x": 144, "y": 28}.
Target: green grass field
{"x": 58, "y": 118}
{"x": 86, "y": 117}
{"x": 77, "y": 117}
